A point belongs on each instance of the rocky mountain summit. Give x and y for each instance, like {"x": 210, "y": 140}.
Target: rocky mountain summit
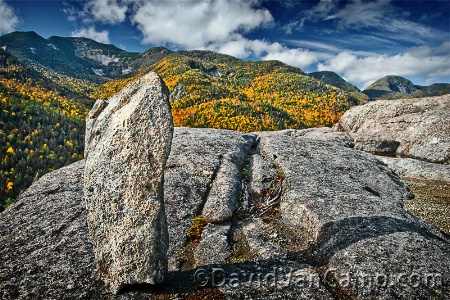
{"x": 78, "y": 57}
{"x": 334, "y": 79}
{"x": 292, "y": 214}
{"x": 396, "y": 87}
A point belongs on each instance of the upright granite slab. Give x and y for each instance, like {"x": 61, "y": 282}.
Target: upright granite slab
{"x": 128, "y": 140}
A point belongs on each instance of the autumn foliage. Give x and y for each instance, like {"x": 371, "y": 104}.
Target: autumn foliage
{"x": 42, "y": 112}
{"x": 224, "y": 92}
{"x": 40, "y": 130}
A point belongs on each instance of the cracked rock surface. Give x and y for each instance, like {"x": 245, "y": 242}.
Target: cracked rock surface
{"x": 202, "y": 177}
{"x": 340, "y": 223}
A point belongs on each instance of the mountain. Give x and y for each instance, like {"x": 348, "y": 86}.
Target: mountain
{"x": 335, "y": 80}
{"x": 395, "y": 87}
{"x": 76, "y": 57}
{"x": 214, "y": 90}
{"x": 47, "y": 86}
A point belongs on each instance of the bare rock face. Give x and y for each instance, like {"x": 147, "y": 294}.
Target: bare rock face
{"x": 413, "y": 168}
{"x": 262, "y": 174}
{"x": 350, "y": 238}
{"x": 128, "y": 140}
{"x": 258, "y": 236}
{"x": 351, "y": 205}
{"x": 213, "y": 247}
{"x": 202, "y": 177}
{"x": 326, "y": 181}
{"x": 418, "y": 128}
{"x": 322, "y": 134}
{"x": 45, "y": 250}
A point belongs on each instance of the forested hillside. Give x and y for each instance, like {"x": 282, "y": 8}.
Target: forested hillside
{"x": 40, "y": 130}
{"x": 219, "y": 91}
{"x": 47, "y": 86}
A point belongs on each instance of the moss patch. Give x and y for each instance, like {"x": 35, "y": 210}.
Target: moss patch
{"x": 185, "y": 259}
{"x": 195, "y": 231}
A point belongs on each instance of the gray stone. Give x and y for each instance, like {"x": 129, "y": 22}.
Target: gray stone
{"x": 413, "y": 168}
{"x": 201, "y": 162}
{"x": 223, "y": 197}
{"x": 128, "y": 140}
{"x": 418, "y": 128}
{"x": 376, "y": 144}
{"x": 323, "y": 134}
{"x": 326, "y": 181}
{"x": 406, "y": 262}
{"x": 262, "y": 173}
{"x": 213, "y": 247}
{"x": 45, "y": 250}
{"x": 261, "y": 239}
{"x": 344, "y": 199}
{"x": 44, "y": 241}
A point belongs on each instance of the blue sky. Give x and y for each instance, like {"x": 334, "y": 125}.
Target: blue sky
{"x": 361, "y": 40}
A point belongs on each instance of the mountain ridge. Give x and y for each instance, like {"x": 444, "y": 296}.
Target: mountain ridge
{"x": 87, "y": 59}
{"x": 395, "y": 87}
{"x": 335, "y": 80}
{"x": 77, "y": 57}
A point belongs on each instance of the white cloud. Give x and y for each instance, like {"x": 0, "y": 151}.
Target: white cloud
{"x": 419, "y": 61}
{"x": 361, "y": 14}
{"x": 8, "y": 18}
{"x": 197, "y": 24}
{"x": 238, "y": 48}
{"x": 314, "y": 45}
{"x": 91, "y": 33}
{"x": 294, "y": 57}
{"x": 215, "y": 25}
{"x": 107, "y": 11}
{"x": 444, "y": 48}
{"x": 243, "y": 48}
